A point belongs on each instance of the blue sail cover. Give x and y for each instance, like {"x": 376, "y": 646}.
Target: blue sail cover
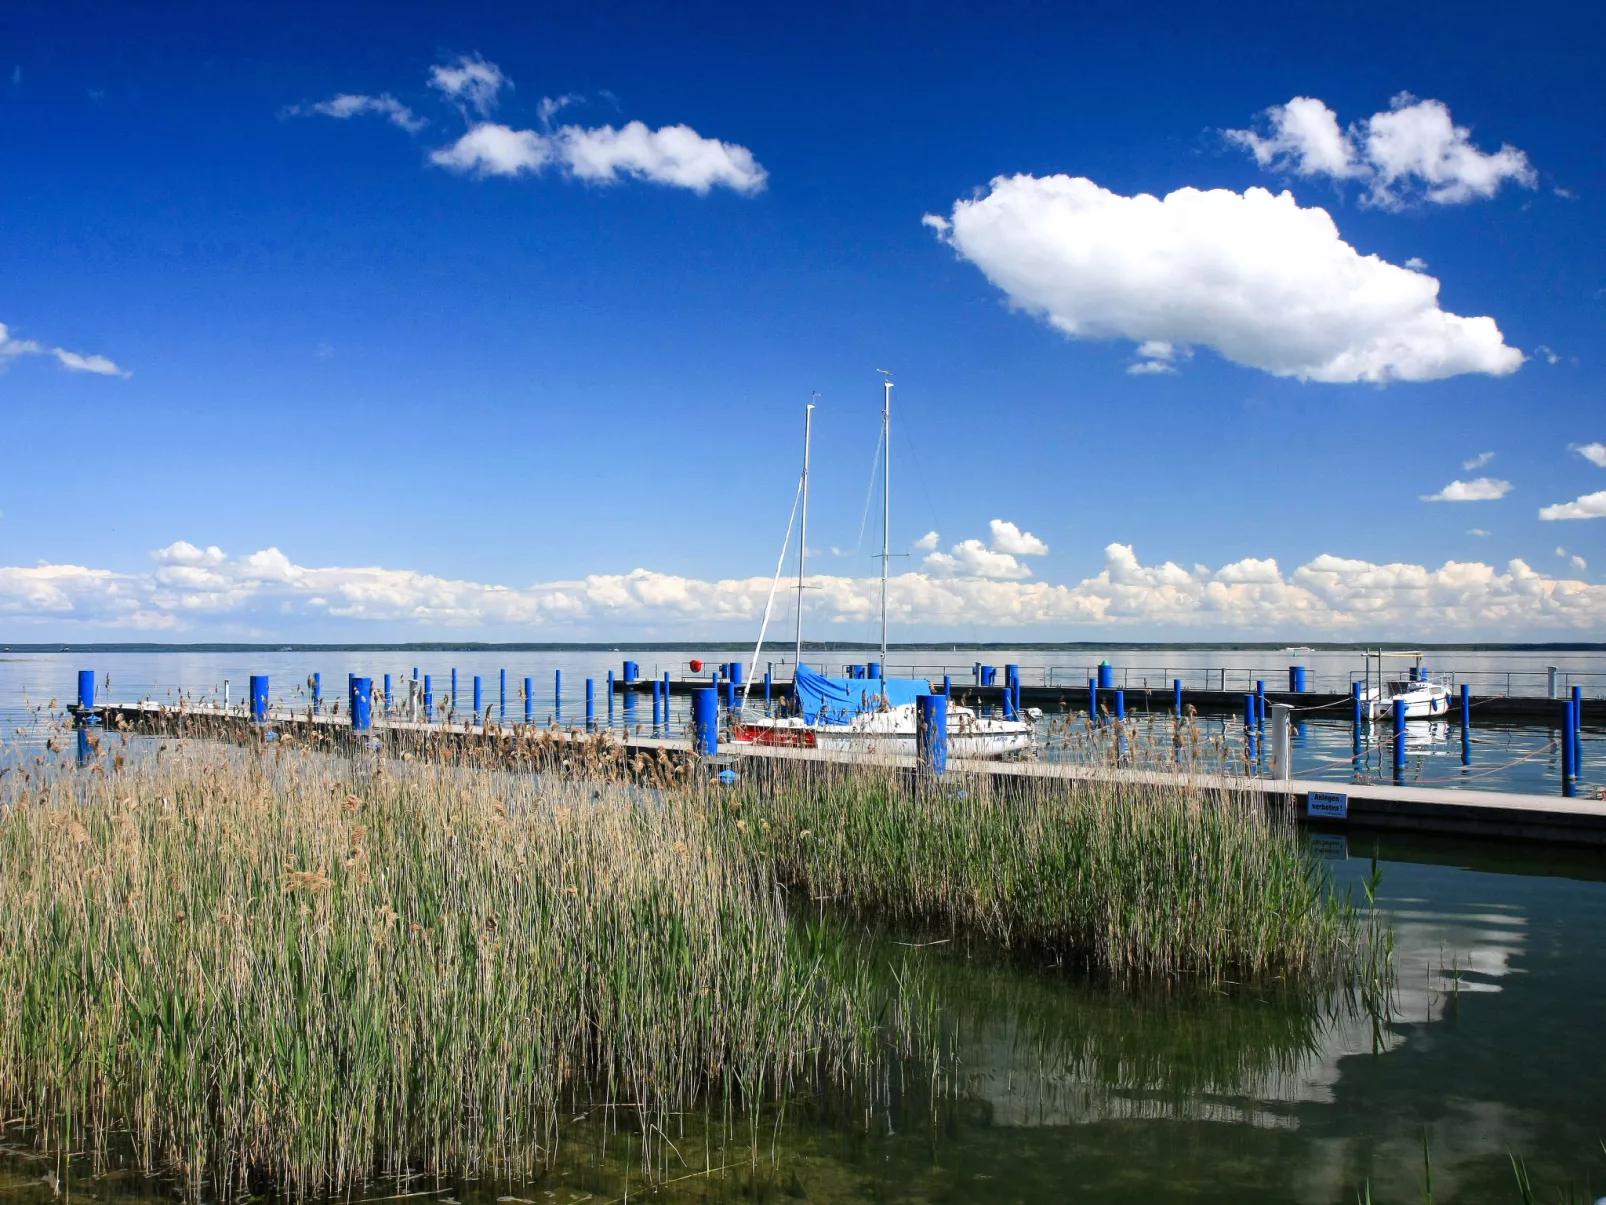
{"x": 825, "y": 700}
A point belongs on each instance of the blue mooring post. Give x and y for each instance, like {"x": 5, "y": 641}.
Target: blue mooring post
{"x": 632, "y": 671}
{"x": 705, "y": 721}
{"x": 1297, "y": 677}
{"x": 1106, "y": 676}
{"x": 1260, "y": 702}
{"x": 317, "y": 692}
{"x": 768, "y": 685}
{"x": 1176, "y": 696}
{"x": 1399, "y": 737}
{"x": 610, "y": 698}
{"x": 557, "y": 693}
{"x": 501, "y": 710}
{"x": 1568, "y": 738}
{"x": 1578, "y": 708}
{"x": 1120, "y": 704}
{"x": 259, "y": 697}
{"x": 657, "y": 707}
{"x": 931, "y": 732}
{"x": 529, "y": 701}
{"x": 479, "y": 701}
{"x": 1249, "y": 726}
{"x": 591, "y": 704}
{"x": 872, "y": 669}
{"x": 86, "y": 694}
{"x": 362, "y": 704}
{"x": 453, "y": 702}
{"x": 387, "y": 694}
{"x": 1355, "y": 700}
{"x": 736, "y": 672}
{"x": 429, "y": 700}
{"x": 730, "y": 695}
{"x": 1093, "y": 700}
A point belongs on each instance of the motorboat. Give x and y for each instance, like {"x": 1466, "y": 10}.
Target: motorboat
{"x": 1424, "y": 699}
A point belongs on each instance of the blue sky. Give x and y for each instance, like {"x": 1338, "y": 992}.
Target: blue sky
{"x": 494, "y": 378}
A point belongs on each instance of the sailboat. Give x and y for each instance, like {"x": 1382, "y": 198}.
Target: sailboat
{"x": 863, "y": 715}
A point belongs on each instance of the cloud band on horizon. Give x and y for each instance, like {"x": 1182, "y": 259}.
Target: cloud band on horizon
{"x": 265, "y": 593}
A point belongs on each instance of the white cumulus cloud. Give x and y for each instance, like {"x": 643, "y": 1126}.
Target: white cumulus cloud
{"x": 1412, "y": 151}
{"x": 1480, "y": 489}
{"x": 972, "y": 558}
{"x": 1268, "y": 284}
{"x": 1595, "y": 453}
{"x": 192, "y": 589}
{"x": 11, "y": 349}
{"x": 1011, "y": 539}
{"x": 927, "y": 542}
{"x": 348, "y": 104}
{"x": 1590, "y": 506}
{"x": 674, "y": 155}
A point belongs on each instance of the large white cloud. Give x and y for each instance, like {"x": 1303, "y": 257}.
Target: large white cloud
{"x": 266, "y": 594}
{"x": 1268, "y": 284}
{"x": 72, "y": 361}
{"x": 1413, "y": 150}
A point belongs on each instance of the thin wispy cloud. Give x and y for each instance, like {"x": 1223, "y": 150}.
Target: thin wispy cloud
{"x": 1477, "y": 462}
{"x": 1266, "y": 283}
{"x": 1413, "y": 152}
{"x": 1480, "y": 489}
{"x": 97, "y": 365}
{"x": 348, "y": 105}
{"x": 471, "y": 80}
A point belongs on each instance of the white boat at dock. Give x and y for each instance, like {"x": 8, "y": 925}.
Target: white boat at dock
{"x": 1425, "y": 697}
{"x": 869, "y": 715}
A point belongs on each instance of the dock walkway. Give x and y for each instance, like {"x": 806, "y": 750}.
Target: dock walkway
{"x": 1497, "y": 814}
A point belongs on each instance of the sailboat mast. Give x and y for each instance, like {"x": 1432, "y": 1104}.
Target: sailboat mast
{"x": 803, "y": 538}
{"x": 886, "y": 513}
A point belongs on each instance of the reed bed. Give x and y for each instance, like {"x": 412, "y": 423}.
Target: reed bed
{"x": 270, "y": 967}
{"x": 1119, "y": 878}
{"x": 261, "y": 969}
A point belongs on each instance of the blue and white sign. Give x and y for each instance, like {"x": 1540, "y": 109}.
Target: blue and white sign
{"x": 1327, "y": 805}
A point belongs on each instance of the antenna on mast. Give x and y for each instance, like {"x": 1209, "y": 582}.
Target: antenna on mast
{"x": 886, "y": 511}
{"x": 803, "y": 537}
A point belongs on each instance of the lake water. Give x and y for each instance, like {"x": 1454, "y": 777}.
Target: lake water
{"x": 1508, "y": 757}
{"x": 1077, "y": 1092}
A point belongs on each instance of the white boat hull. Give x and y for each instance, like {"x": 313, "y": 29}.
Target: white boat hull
{"x": 890, "y": 733}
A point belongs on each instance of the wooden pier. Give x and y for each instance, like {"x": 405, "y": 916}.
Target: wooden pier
{"x": 1322, "y": 804}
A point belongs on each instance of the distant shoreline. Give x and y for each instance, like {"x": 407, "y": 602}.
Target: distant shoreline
{"x": 811, "y": 646}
